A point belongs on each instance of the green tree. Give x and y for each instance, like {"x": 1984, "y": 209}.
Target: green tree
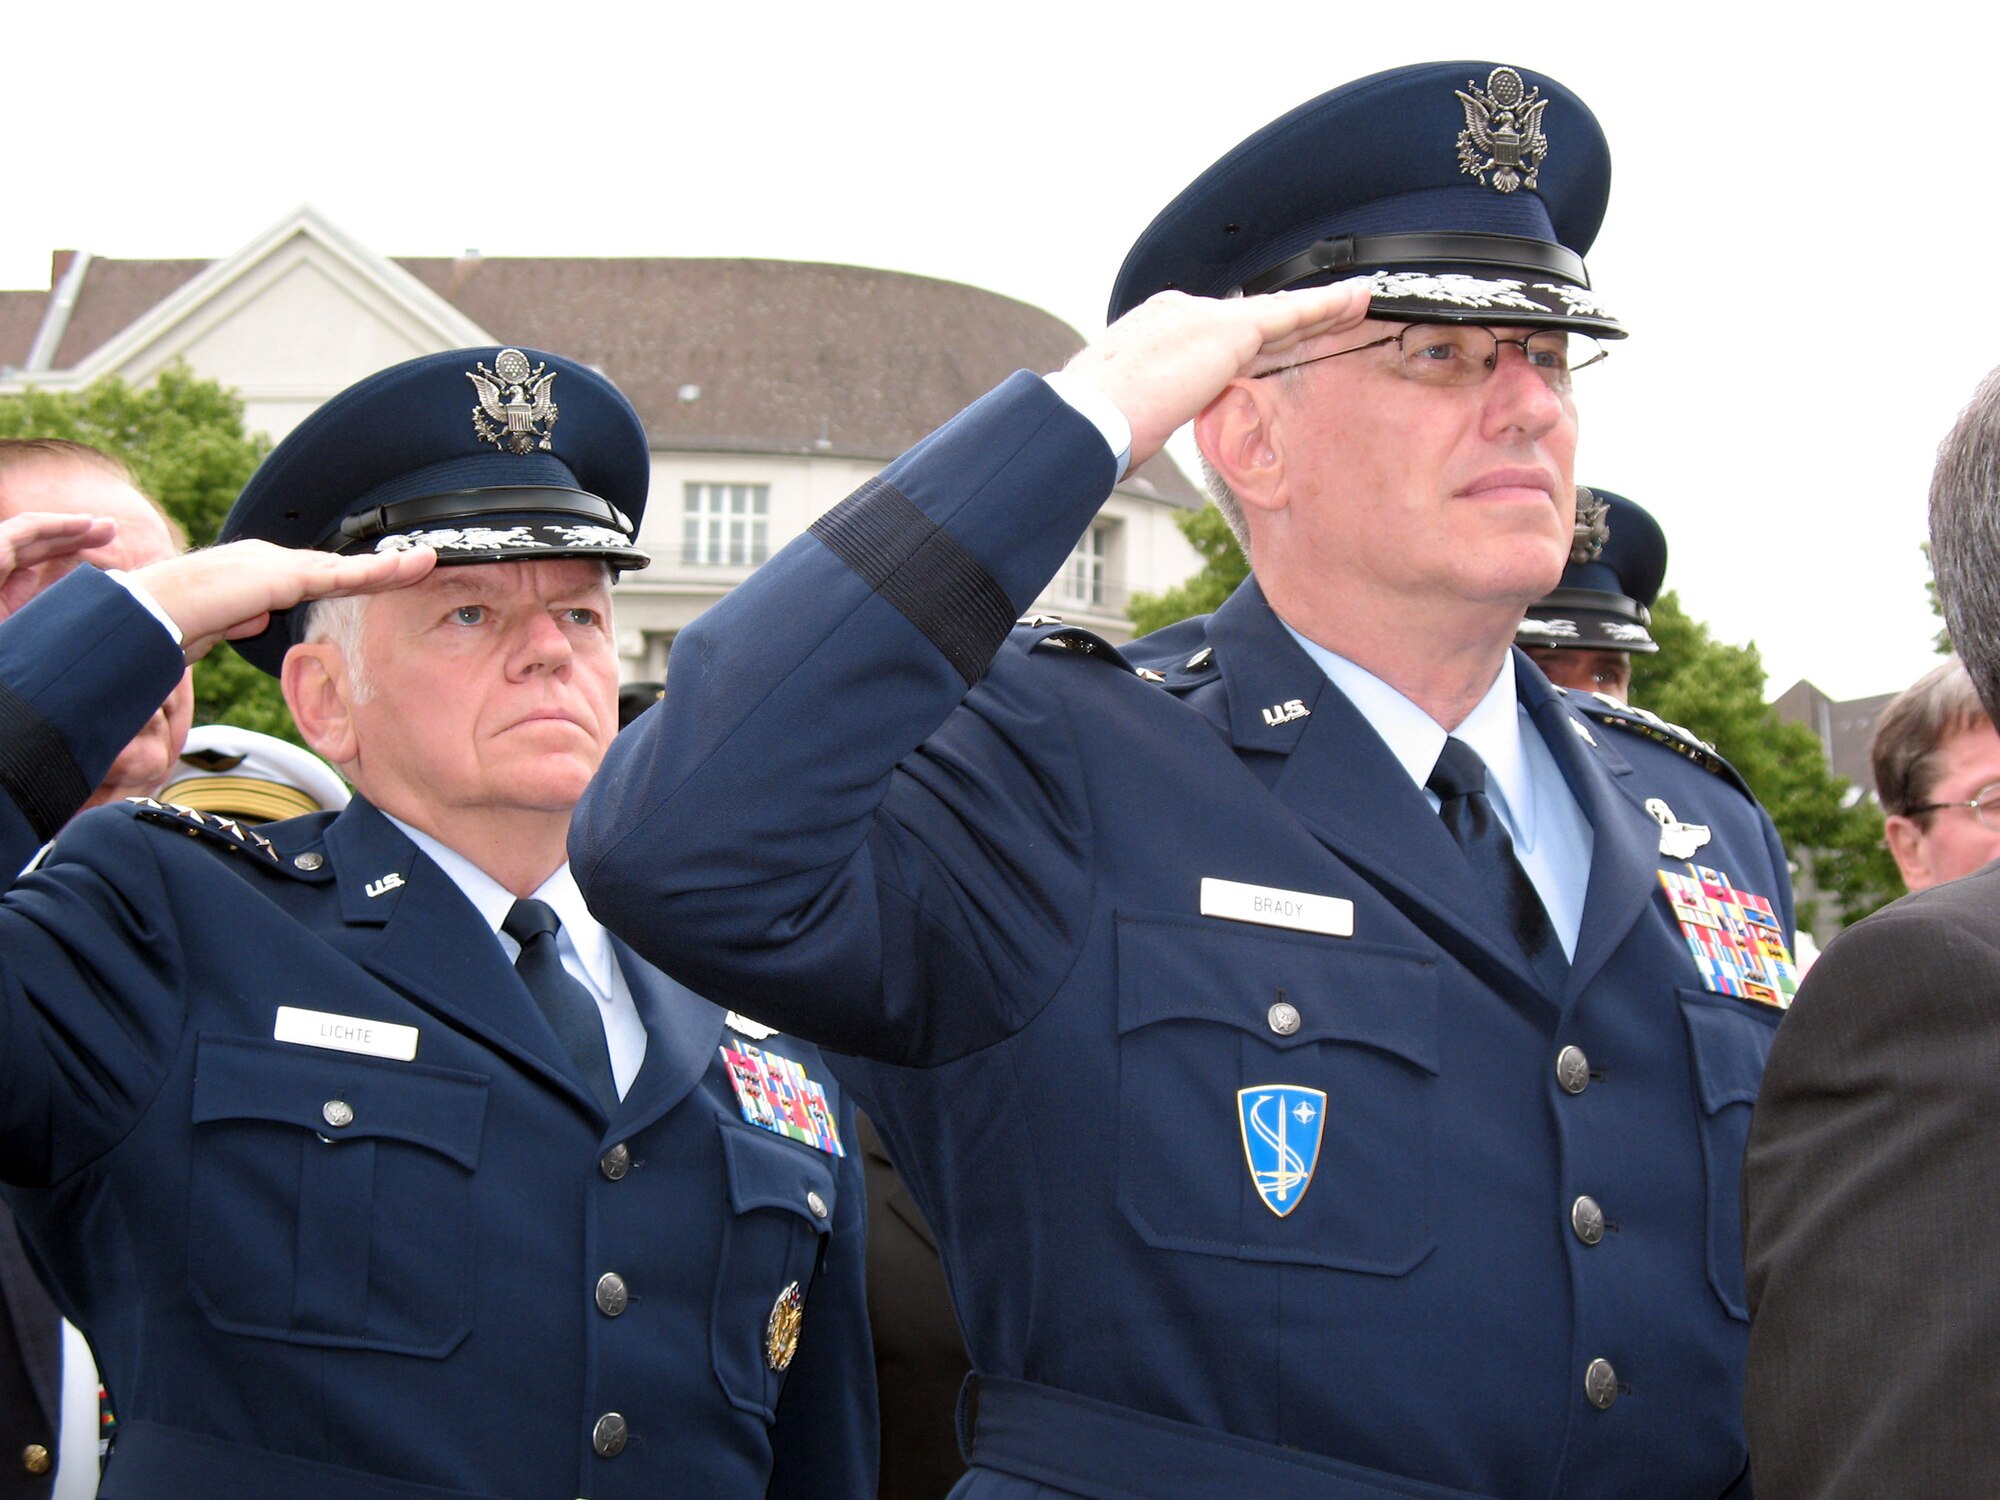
{"x": 1223, "y": 567}
{"x": 1942, "y": 640}
{"x": 182, "y": 437}
{"x": 1717, "y": 690}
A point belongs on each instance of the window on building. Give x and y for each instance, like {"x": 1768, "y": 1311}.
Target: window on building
{"x": 1082, "y": 580}
{"x": 726, "y": 525}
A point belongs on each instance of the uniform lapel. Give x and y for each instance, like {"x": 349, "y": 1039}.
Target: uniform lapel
{"x": 1625, "y": 840}
{"x": 683, "y": 1033}
{"x": 1341, "y": 781}
{"x": 411, "y": 926}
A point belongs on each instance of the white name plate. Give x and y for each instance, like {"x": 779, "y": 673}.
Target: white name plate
{"x": 318, "y": 1028}
{"x": 1298, "y": 910}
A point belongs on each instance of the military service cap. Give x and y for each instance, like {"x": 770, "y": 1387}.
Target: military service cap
{"x": 1605, "y": 604}
{"x": 1466, "y": 192}
{"x": 488, "y": 455}
{"x": 252, "y": 777}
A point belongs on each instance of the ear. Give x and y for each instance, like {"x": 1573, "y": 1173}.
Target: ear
{"x": 320, "y": 697}
{"x": 1241, "y": 434}
{"x": 1906, "y": 842}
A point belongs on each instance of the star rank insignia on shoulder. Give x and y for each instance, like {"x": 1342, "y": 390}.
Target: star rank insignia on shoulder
{"x": 226, "y": 833}
{"x": 1602, "y": 708}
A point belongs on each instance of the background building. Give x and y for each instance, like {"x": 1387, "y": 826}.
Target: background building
{"x": 769, "y": 389}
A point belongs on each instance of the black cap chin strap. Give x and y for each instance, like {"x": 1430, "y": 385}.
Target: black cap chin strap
{"x": 1359, "y": 252}
{"x": 463, "y": 505}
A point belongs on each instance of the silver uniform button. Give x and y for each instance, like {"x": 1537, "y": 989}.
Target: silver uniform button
{"x": 1572, "y": 1070}
{"x": 308, "y": 860}
{"x": 337, "y": 1112}
{"x": 1587, "y": 1219}
{"x": 616, "y": 1162}
{"x": 1600, "y": 1384}
{"x": 817, "y": 1204}
{"x": 608, "y": 1436}
{"x": 1284, "y": 1018}
{"x": 611, "y": 1294}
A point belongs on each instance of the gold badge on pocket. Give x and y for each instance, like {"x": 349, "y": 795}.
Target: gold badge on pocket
{"x": 781, "y": 1329}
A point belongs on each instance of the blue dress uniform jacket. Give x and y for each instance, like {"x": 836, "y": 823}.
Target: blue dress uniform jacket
{"x": 991, "y": 899}
{"x": 312, "y": 1272}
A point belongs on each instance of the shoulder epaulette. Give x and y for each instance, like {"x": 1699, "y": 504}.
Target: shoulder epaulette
{"x": 226, "y": 833}
{"x": 1684, "y": 742}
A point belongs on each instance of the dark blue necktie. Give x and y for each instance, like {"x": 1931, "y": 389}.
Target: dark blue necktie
{"x": 1459, "y": 780}
{"x": 570, "y": 1008}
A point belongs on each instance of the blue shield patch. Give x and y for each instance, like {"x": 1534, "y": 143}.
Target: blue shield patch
{"x": 1281, "y": 1132}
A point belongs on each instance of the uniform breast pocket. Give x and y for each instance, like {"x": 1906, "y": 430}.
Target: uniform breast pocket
{"x": 332, "y": 1197}
{"x": 1728, "y": 1047}
{"x": 782, "y": 1199}
{"x": 1275, "y": 1094}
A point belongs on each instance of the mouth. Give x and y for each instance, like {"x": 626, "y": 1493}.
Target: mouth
{"x": 1535, "y": 486}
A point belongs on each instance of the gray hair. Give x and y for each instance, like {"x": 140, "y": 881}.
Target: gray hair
{"x": 339, "y": 622}
{"x": 1965, "y": 538}
{"x": 1220, "y": 493}
{"x": 1938, "y": 706}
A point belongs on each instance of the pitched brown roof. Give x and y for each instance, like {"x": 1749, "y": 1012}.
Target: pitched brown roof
{"x": 786, "y": 357}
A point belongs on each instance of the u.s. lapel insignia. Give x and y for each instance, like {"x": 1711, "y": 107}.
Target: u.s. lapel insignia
{"x": 1503, "y": 131}
{"x": 774, "y": 1093}
{"x": 390, "y": 882}
{"x": 517, "y": 407}
{"x": 1281, "y": 1125}
{"x": 1284, "y": 713}
{"x": 781, "y": 1329}
{"x": 1678, "y": 840}
{"x": 1734, "y": 936}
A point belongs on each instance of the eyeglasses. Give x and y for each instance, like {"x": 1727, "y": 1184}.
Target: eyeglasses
{"x": 1466, "y": 353}
{"x": 1985, "y": 805}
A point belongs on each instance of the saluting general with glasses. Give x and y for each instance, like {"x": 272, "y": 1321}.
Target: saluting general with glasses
{"x": 1323, "y": 1047}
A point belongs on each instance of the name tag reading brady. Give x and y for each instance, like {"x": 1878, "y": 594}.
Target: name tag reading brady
{"x": 1298, "y": 910}
{"x": 319, "y": 1028}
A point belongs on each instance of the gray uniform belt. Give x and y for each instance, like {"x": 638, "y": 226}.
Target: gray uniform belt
{"x": 1104, "y": 1452}
{"x": 149, "y": 1462}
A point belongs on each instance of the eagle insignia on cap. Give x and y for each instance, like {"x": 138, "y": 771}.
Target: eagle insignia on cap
{"x": 1503, "y": 131}
{"x": 1593, "y": 528}
{"x": 517, "y": 399}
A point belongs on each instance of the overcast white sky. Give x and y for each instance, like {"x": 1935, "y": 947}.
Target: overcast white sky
{"x": 1801, "y": 235}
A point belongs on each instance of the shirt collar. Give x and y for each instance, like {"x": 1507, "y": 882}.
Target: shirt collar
{"x": 493, "y": 901}
{"x": 1493, "y": 730}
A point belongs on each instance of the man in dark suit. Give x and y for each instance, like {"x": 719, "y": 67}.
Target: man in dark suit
{"x": 1870, "y": 1228}
{"x": 1321, "y": 1047}
{"x": 371, "y": 1165}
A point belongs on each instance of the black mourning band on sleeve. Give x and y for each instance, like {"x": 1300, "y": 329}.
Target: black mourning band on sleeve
{"x": 921, "y": 569}
{"x": 36, "y": 768}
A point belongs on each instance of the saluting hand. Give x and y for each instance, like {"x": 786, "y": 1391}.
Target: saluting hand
{"x": 222, "y": 593}
{"x": 37, "y": 548}
{"x": 1171, "y": 355}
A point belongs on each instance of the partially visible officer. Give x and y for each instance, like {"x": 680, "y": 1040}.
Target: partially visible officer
{"x": 1281, "y": 1134}
{"x": 251, "y": 777}
{"x": 1936, "y": 758}
{"x": 57, "y": 476}
{"x": 1583, "y": 632}
{"x": 370, "y": 1164}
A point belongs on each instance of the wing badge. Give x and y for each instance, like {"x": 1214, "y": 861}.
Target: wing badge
{"x": 1281, "y": 1125}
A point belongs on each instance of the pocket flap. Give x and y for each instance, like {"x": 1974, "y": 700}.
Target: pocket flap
{"x": 1729, "y": 1052}
{"x": 1173, "y": 968}
{"x": 248, "y": 1078}
{"x": 767, "y": 1172}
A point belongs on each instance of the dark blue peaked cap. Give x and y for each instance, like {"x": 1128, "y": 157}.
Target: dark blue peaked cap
{"x": 489, "y": 455}
{"x": 1467, "y": 191}
{"x": 1606, "y": 604}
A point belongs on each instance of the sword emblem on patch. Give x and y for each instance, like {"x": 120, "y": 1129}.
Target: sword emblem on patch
{"x": 1281, "y": 1124}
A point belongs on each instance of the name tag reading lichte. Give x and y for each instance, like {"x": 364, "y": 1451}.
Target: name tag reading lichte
{"x": 1298, "y": 910}
{"x": 318, "y": 1028}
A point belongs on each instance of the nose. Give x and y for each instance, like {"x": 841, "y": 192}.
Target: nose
{"x": 543, "y": 647}
{"x": 1518, "y": 396}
